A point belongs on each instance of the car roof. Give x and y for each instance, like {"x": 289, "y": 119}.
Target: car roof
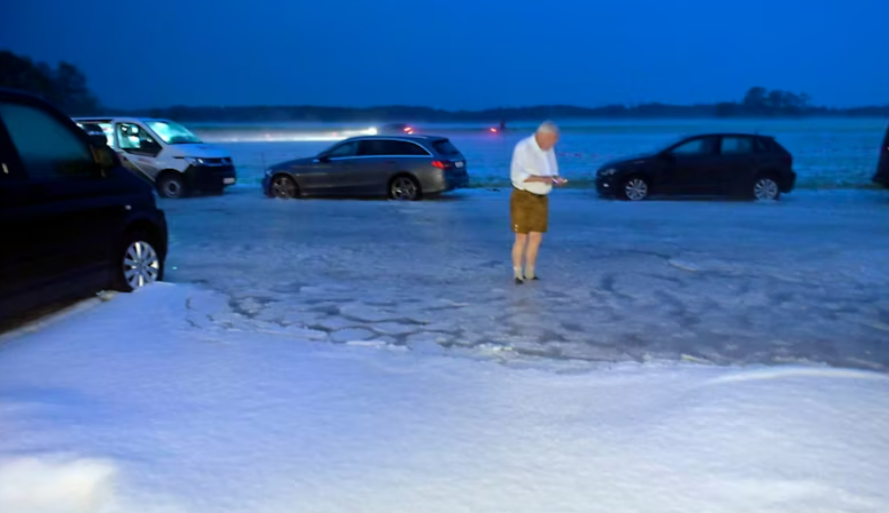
{"x": 5, "y": 91}
{"x": 726, "y": 134}
{"x": 109, "y": 119}
{"x": 411, "y": 138}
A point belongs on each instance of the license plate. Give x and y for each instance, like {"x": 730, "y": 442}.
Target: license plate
{"x": 459, "y": 164}
{"x": 228, "y": 181}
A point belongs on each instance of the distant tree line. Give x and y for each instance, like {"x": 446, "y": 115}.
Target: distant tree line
{"x": 757, "y": 103}
{"x": 66, "y": 87}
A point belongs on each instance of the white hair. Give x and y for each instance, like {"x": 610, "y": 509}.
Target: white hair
{"x": 548, "y": 127}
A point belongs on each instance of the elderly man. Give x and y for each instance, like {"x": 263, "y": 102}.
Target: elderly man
{"x": 533, "y": 172}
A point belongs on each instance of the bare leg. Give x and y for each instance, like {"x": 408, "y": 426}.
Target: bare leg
{"x": 518, "y": 252}
{"x": 534, "y": 240}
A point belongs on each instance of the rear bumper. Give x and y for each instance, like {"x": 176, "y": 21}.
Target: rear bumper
{"x": 439, "y": 182}
{"x": 209, "y": 178}
{"x": 789, "y": 183}
{"x": 882, "y": 175}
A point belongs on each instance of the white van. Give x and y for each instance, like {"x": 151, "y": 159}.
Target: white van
{"x": 166, "y": 153}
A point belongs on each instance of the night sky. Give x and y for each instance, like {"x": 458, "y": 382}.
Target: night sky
{"x": 458, "y": 53}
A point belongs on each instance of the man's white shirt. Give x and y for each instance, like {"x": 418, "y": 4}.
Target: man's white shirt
{"x": 529, "y": 160}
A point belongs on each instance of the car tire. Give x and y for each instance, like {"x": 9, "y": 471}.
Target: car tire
{"x": 405, "y": 188}
{"x": 172, "y": 186}
{"x": 137, "y": 262}
{"x": 634, "y": 188}
{"x": 766, "y": 188}
{"x": 283, "y": 187}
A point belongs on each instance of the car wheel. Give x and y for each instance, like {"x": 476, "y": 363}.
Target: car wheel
{"x": 138, "y": 263}
{"x": 404, "y": 188}
{"x": 283, "y": 187}
{"x": 634, "y": 188}
{"x": 766, "y": 189}
{"x": 171, "y": 185}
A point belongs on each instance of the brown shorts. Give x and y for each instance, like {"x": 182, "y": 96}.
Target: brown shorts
{"x": 528, "y": 212}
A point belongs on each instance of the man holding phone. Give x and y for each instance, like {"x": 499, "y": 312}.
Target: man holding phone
{"x": 533, "y": 172}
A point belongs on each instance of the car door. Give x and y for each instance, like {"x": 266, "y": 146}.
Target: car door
{"x": 380, "y": 159}
{"x": 737, "y": 162}
{"x": 70, "y": 209}
{"x": 329, "y": 173}
{"x": 20, "y": 253}
{"x": 138, "y": 150}
{"x": 691, "y": 165}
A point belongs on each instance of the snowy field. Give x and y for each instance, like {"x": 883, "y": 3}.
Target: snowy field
{"x": 139, "y": 406}
{"x": 828, "y": 153}
{"x": 801, "y": 280}
{"x": 374, "y": 356}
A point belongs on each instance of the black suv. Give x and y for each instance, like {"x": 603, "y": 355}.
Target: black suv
{"x": 749, "y": 165}
{"x": 882, "y": 176}
{"x": 73, "y": 221}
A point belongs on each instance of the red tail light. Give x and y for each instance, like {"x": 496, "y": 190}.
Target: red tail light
{"x": 441, "y": 164}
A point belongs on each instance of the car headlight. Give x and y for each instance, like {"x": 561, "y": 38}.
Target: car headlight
{"x": 268, "y": 172}
{"x": 194, "y": 160}
{"x": 607, "y": 172}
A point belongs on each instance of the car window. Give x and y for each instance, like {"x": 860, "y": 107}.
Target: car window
{"x": 134, "y": 139}
{"x": 380, "y": 147}
{"x": 349, "y": 149}
{"x": 737, "y": 145}
{"x": 444, "y": 147}
{"x": 702, "y": 146}
{"x": 46, "y": 147}
{"x": 764, "y": 145}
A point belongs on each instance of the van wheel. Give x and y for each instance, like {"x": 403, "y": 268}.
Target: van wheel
{"x": 171, "y": 185}
{"x": 138, "y": 263}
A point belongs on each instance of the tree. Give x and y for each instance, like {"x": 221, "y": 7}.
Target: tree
{"x": 64, "y": 86}
{"x": 755, "y": 99}
{"x": 72, "y": 91}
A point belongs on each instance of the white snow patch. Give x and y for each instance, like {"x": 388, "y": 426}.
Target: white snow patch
{"x": 162, "y": 422}
{"x": 55, "y": 484}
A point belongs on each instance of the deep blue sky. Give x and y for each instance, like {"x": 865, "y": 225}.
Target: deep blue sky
{"x": 458, "y": 53}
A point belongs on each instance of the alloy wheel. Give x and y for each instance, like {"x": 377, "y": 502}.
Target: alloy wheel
{"x": 283, "y": 187}
{"x": 141, "y": 265}
{"x": 765, "y": 189}
{"x": 636, "y": 189}
{"x": 404, "y": 188}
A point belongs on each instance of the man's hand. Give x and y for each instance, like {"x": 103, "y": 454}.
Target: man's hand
{"x": 552, "y": 180}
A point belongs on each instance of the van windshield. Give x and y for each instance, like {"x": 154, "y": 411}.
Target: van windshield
{"x": 173, "y": 133}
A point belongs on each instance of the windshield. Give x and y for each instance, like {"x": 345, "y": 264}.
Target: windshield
{"x": 173, "y": 133}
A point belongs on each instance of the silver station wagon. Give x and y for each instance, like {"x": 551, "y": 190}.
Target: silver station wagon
{"x": 400, "y": 167}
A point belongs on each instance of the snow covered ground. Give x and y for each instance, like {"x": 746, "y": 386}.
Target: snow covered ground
{"x": 828, "y": 153}
{"x": 165, "y": 401}
{"x": 801, "y": 280}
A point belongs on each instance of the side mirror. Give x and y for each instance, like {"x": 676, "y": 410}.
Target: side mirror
{"x": 322, "y": 158}
{"x": 668, "y": 156}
